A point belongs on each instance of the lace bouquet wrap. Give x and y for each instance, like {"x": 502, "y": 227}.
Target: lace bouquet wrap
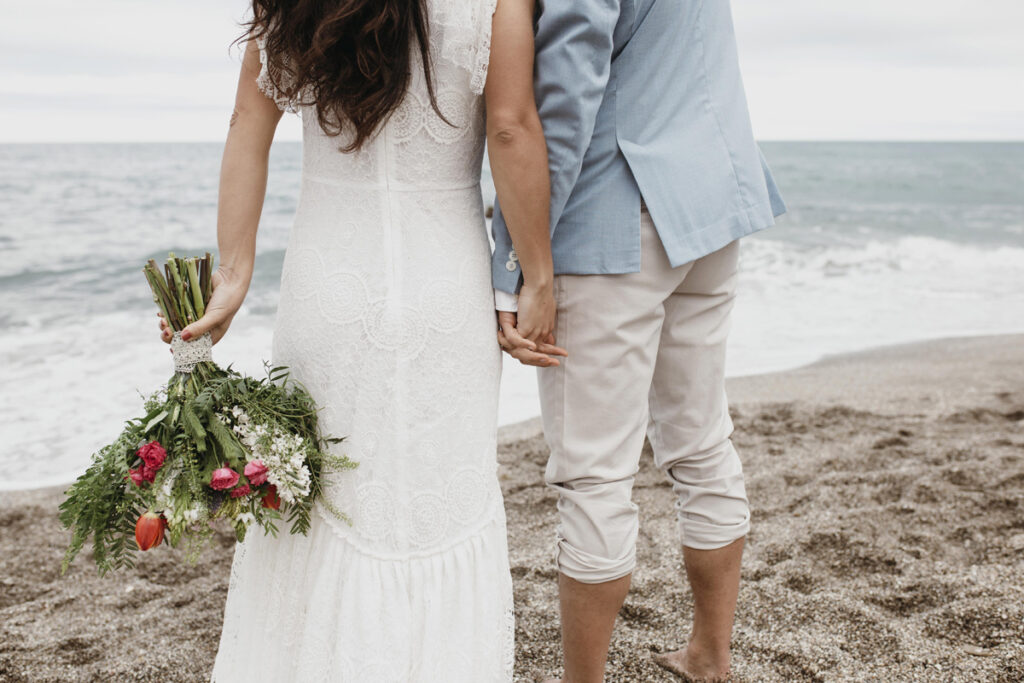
{"x": 213, "y": 444}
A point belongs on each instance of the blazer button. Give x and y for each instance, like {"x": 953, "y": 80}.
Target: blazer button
{"x": 510, "y": 266}
{"x": 513, "y": 256}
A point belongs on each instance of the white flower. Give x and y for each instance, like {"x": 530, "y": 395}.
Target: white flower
{"x": 194, "y": 513}
{"x": 168, "y": 485}
{"x": 239, "y": 414}
{"x": 165, "y": 494}
{"x": 283, "y": 454}
{"x": 245, "y": 518}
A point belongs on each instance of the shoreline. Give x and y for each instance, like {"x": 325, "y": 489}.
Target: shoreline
{"x": 530, "y": 427}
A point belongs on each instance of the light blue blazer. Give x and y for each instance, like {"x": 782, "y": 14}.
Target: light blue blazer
{"x": 642, "y": 98}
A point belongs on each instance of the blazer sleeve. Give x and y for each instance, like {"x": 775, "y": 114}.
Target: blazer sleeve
{"x": 574, "y": 42}
{"x": 574, "y": 55}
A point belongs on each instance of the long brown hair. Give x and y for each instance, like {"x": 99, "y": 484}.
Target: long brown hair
{"x": 352, "y": 59}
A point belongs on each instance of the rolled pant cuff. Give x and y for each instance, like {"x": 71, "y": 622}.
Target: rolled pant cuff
{"x": 701, "y": 535}
{"x": 586, "y": 568}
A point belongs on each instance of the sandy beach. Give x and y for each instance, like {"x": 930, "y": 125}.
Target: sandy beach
{"x": 887, "y": 490}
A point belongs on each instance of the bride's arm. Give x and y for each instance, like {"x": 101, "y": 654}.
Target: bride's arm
{"x": 519, "y": 165}
{"x": 243, "y": 184}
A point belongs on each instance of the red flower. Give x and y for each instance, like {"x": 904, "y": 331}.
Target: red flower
{"x": 153, "y": 454}
{"x": 240, "y": 491}
{"x": 136, "y": 476}
{"x": 256, "y": 472}
{"x": 223, "y": 478}
{"x": 271, "y": 499}
{"x": 149, "y": 530}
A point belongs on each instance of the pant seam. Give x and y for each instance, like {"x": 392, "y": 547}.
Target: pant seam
{"x": 563, "y": 370}
{"x": 560, "y": 392}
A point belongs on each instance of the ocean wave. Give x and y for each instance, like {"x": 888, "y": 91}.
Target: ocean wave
{"x": 879, "y": 248}
{"x": 765, "y": 258}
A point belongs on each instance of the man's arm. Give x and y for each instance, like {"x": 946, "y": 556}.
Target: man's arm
{"x": 573, "y": 43}
{"x": 515, "y": 143}
{"x": 574, "y": 55}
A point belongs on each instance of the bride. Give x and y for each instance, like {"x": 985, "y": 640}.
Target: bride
{"x": 386, "y": 315}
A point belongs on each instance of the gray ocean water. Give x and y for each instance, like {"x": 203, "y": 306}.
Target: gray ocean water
{"x": 884, "y": 243}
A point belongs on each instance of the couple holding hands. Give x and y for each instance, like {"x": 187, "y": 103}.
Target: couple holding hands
{"x": 626, "y": 172}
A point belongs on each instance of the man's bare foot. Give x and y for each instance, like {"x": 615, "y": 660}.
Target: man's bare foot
{"x": 682, "y": 665}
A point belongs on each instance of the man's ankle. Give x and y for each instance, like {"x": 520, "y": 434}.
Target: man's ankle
{"x": 704, "y": 660}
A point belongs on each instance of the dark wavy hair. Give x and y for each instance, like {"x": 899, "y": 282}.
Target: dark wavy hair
{"x": 352, "y": 59}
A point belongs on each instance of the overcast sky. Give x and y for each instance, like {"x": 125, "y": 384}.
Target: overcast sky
{"x": 814, "y": 69}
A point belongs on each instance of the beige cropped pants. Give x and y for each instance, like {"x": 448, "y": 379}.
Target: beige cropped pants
{"x": 646, "y": 355}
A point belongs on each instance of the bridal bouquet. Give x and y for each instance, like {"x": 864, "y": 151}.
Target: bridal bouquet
{"x": 213, "y": 444}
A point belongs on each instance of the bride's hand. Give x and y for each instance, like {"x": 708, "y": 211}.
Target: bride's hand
{"x": 228, "y": 294}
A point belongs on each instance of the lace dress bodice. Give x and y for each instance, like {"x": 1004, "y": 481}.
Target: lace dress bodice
{"x": 415, "y": 149}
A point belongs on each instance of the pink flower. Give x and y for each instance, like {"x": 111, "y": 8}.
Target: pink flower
{"x": 256, "y": 472}
{"x": 136, "y": 476}
{"x": 148, "y": 473}
{"x": 240, "y": 491}
{"x": 223, "y": 478}
{"x": 153, "y": 454}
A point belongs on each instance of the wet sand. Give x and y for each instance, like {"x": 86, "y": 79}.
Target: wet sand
{"x": 887, "y": 491}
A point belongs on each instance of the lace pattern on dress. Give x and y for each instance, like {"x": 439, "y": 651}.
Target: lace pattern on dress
{"x": 469, "y": 50}
{"x": 266, "y": 84}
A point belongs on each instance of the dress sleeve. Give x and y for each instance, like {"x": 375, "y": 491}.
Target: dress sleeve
{"x": 482, "y": 58}
{"x": 266, "y": 84}
{"x": 463, "y": 29}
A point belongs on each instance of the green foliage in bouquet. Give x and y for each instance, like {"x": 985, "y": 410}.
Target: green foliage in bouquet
{"x": 213, "y": 444}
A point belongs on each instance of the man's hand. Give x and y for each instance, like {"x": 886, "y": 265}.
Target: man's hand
{"x": 541, "y": 353}
{"x": 537, "y": 310}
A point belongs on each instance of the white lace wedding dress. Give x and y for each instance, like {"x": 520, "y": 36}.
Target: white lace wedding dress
{"x": 386, "y": 315}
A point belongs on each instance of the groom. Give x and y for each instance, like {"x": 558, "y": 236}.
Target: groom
{"x": 655, "y": 176}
